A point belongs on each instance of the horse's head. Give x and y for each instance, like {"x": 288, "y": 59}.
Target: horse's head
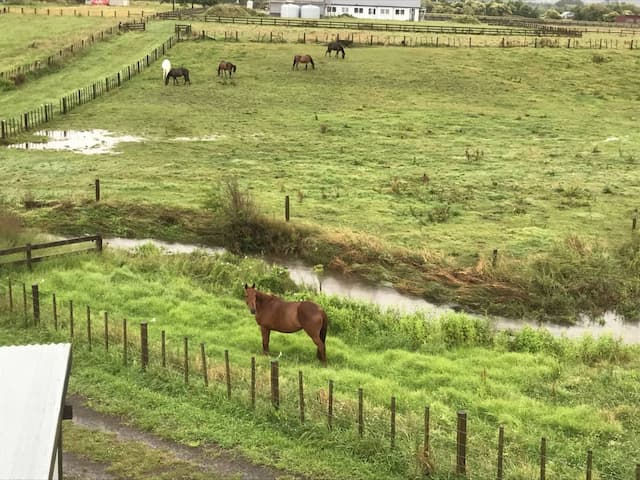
{"x": 250, "y": 297}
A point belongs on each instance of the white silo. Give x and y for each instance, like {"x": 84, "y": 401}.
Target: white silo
{"x": 290, "y": 10}
{"x": 249, "y": 3}
{"x": 310, "y": 11}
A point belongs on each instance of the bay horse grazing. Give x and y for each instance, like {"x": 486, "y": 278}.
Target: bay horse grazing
{"x": 306, "y": 59}
{"x": 225, "y": 67}
{"x": 273, "y": 313}
{"x": 166, "y": 66}
{"x": 337, "y": 46}
{"x": 175, "y": 73}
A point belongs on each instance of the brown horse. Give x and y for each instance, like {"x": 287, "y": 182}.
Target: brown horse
{"x": 273, "y": 313}
{"x": 225, "y": 67}
{"x": 306, "y": 59}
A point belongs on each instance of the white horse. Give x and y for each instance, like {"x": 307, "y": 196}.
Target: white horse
{"x": 166, "y": 66}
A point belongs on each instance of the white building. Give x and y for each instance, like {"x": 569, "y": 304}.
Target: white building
{"x": 374, "y": 9}
{"x": 369, "y": 9}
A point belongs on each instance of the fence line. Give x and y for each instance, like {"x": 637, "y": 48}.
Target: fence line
{"x": 359, "y": 39}
{"x": 26, "y": 121}
{"x": 52, "y": 59}
{"x": 29, "y": 248}
{"x": 445, "y": 447}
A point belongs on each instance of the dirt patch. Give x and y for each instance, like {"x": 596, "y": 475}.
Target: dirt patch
{"x": 211, "y": 458}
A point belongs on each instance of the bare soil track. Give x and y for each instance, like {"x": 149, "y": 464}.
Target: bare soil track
{"x": 211, "y": 458}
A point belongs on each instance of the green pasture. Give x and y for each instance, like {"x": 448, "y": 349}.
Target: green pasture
{"x": 445, "y": 153}
{"x": 579, "y": 395}
{"x": 458, "y": 151}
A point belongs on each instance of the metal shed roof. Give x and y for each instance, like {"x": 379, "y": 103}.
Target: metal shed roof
{"x": 33, "y": 382}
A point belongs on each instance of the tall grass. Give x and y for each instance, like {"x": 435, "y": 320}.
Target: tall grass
{"x": 580, "y": 395}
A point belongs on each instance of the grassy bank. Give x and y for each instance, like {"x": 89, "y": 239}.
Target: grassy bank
{"x": 580, "y": 395}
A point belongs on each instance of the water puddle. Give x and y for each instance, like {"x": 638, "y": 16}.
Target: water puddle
{"x": 389, "y": 298}
{"x": 88, "y": 142}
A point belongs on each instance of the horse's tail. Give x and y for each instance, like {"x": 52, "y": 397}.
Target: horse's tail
{"x": 311, "y": 60}
{"x": 294, "y": 62}
{"x": 325, "y": 324}
{"x": 233, "y": 67}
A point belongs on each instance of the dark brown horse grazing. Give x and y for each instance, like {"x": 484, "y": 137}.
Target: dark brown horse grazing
{"x": 175, "y": 73}
{"x": 337, "y": 46}
{"x": 306, "y": 59}
{"x": 225, "y": 67}
{"x": 273, "y": 313}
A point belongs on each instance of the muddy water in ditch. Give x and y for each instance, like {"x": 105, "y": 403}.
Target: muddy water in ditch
{"x": 389, "y": 298}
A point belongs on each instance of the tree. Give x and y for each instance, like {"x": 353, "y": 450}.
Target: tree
{"x": 552, "y": 13}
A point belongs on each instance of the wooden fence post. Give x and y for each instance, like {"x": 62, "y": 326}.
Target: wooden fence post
{"x": 275, "y": 384}
{"x": 393, "y": 422}
{"x": 55, "y": 312}
{"x": 124, "y": 341}
{"x": 425, "y": 447}
{"x": 71, "y": 318}
{"x": 330, "y": 406}
{"x": 286, "y": 208}
{"x": 589, "y": 463}
{"x": 99, "y": 243}
{"x": 543, "y": 458}
{"x": 461, "y": 443}
{"x": 634, "y": 220}
{"x": 227, "y": 370}
{"x": 24, "y": 301}
{"x": 186, "y": 360}
{"x": 89, "y": 326}
{"x": 3, "y": 129}
{"x": 35, "y": 301}
{"x": 144, "y": 345}
{"x": 106, "y": 331}
{"x": 494, "y": 257}
{"x": 301, "y": 395}
{"x": 500, "y": 452}
{"x": 360, "y": 412}
{"x": 28, "y": 255}
{"x": 163, "y": 349}
{"x": 637, "y": 471}
{"x": 253, "y": 382}
{"x": 203, "y": 354}
{"x": 97, "y": 183}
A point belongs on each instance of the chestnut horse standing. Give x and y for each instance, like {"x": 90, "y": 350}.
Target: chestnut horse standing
{"x": 306, "y": 59}
{"x": 273, "y": 313}
{"x": 225, "y": 67}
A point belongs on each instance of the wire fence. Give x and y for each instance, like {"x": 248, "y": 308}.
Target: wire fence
{"x": 427, "y": 442}
{"x": 14, "y": 126}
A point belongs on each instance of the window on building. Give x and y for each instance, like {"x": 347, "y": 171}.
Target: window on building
{"x": 331, "y": 9}
{"x": 399, "y": 11}
{"x": 372, "y": 11}
{"x": 344, "y": 9}
{"x": 358, "y": 10}
{"x": 384, "y": 11}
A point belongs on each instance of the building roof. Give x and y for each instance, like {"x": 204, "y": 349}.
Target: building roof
{"x": 376, "y": 3}
{"x": 33, "y": 380}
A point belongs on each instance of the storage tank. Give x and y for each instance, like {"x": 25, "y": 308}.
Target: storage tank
{"x": 249, "y": 3}
{"x": 310, "y": 11}
{"x": 290, "y": 10}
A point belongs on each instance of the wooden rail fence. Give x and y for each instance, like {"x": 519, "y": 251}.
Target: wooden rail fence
{"x": 448, "y": 439}
{"x": 28, "y": 249}
{"x": 26, "y": 121}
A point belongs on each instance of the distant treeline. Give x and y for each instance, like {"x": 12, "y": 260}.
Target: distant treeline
{"x": 592, "y": 12}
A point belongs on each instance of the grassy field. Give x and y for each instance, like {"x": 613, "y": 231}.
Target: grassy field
{"x": 447, "y": 153}
{"x": 579, "y": 395}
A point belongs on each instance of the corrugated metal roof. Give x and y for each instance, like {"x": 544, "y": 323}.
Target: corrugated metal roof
{"x": 376, "y": 3}
{"x": 33, "y": 382}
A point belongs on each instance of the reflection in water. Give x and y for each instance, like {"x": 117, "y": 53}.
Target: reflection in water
{"x": 89, "y": 142}
{"x": 389, "y": 298}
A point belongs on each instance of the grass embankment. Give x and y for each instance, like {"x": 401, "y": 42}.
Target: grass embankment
{"x": 415, "y": 164}
{"x": 579, "y": 395}
{"x": 88, "y": 66}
